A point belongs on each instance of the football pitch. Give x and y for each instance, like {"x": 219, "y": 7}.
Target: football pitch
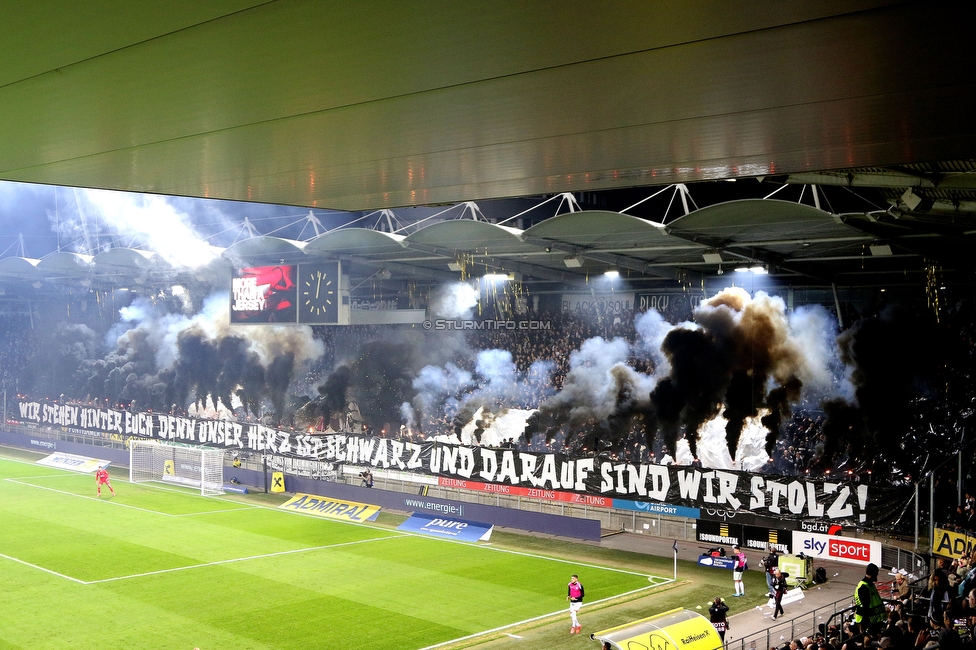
{"x": 162, "y": 567}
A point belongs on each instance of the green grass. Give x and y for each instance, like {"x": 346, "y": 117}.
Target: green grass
{"x": 161, "y": 567}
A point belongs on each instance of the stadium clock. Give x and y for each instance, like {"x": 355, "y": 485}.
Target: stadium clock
{"x": 318, "y": 293}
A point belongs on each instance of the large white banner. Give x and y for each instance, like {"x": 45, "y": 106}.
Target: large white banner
{"x": 501, "y": 470}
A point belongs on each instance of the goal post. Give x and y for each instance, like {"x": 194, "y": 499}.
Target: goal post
{"x": 192, "y": 466}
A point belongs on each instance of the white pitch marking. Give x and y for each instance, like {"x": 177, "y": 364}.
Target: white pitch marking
{"x": 664, "y": 581}
{"x": 561, "y": 612}
{"x": 188, "y": 491}
{"x": 210, "y": 512}
{"x": 19, "y": 460}
{"x": 82, "y": 496}
{"x": 40, "y": 568}
{"x": 59, "y": 475}
{"x": 239, "y": 559}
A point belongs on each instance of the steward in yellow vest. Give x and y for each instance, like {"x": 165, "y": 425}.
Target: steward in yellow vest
{"x": 869, "y": 610}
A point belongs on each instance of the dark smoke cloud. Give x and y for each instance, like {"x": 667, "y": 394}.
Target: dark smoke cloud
{"x": 61, "y": 353}
{"x": 163, "y": 360}
{"x": 378, "y": 380}
{"x": 745, "y": 357}
{"x": 896, "y": 359}
{"x": 742, "y": 358}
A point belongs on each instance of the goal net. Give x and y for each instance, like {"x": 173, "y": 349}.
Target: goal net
{"x": 199, "y": 467}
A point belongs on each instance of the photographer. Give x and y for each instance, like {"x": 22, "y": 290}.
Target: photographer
{"x": 367, "y": 477}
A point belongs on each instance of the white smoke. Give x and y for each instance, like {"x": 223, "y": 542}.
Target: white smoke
{"x": 651, "y": 329}
{"x": 139, "y": 220}
{"x": 713, "y": 450}
{"x": 408, "y": 415}
{"x": 498, "y": 371}
{"x": 508, "y": 424}
{"x": 456, "y": 300}
{"x": 815, "y": 331}
{"x": 592, "y": 386}
{"x": 436, "y": 388}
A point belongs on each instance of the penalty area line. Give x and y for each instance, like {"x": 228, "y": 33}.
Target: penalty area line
{"x": 40, "y": 568}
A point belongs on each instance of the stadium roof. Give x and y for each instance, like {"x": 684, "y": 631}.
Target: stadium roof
{"x": 808, "y": 245}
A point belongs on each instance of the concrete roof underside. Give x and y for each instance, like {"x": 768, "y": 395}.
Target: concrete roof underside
{"x": 370, "y": 105}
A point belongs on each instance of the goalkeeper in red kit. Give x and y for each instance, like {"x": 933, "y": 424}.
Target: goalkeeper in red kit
{"x": 101, "y": 478}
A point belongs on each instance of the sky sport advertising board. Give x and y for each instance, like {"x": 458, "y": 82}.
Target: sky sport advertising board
{"x": 834, "y": 547}
{"x": 264, "y": 294}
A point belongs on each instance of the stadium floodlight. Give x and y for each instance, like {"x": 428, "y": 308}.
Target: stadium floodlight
{"x": 757, "y": 269}
{"x": 189, "y": 465}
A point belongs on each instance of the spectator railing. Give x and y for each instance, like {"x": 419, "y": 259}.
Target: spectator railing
{"x": 784, "y": 631}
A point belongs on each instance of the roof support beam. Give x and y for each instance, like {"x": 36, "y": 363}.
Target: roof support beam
{"x": 615, "y": 259}
{"x": 525, "y": 269}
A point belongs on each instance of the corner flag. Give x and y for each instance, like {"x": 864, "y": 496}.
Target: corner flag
{"x": 675, "y": 547}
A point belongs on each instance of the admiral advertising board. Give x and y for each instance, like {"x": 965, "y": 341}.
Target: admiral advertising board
{"x": 313, "y": 504}
{"x": 948, "y": 543}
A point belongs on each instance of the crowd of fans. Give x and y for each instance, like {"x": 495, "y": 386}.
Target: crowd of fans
{"x": 541, "y": 357}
